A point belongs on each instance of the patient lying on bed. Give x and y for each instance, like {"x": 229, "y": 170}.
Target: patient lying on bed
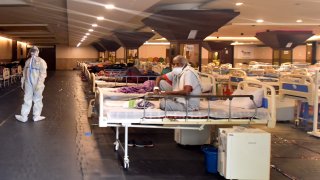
{"x": 183, "y": 80}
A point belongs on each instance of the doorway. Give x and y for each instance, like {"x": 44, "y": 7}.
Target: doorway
{"x": 48, "y": 53}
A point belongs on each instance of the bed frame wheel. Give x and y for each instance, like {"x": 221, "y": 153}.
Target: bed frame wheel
{"x": 90, "y": 108}
{"x": 115, "y": 146}
{"x": 126, "y": 164}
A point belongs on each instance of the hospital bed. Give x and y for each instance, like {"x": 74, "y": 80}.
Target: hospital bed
{"x": 207, "y": 81}
{"x": 118, "y": 80}
{"x": 304, "y": 88}
{"x": 113, "y": 114}
{"x": 235, "y": 77}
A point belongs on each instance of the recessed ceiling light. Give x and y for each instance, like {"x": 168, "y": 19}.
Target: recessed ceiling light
{"x": 259, "y": 20}
{"x": 109, "y": 6}
{"x": 87, "y": 34}
{"x": 94, "y": 25}
{"x": 239, "y": 3}
{"x": 299, "y": 20}
{"x": 152, "y": 30}
{"x": 82, "y": 40}
{"x": 84, "y": 37}
{"x": 100, "y": 18}
{"x": 78, "y": 44}
{"x": 90, "y": 30}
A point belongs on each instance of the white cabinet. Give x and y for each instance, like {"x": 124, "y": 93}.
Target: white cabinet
{"x": 244, "y": 153}
{"x": 192, "y": 137}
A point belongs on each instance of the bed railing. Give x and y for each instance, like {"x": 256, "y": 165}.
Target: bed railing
{"x": 203, "y": 96}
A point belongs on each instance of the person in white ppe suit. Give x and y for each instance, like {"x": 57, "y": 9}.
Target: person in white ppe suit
{"x": 32, "y": 82}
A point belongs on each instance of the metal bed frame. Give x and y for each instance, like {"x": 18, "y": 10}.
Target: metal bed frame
{"x": 170, "y": 123}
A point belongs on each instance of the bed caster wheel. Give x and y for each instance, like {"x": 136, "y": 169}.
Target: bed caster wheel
{"x": 126, "y": 166}
{"x": 116, "y": 146}
{"x": 126, "y": 163}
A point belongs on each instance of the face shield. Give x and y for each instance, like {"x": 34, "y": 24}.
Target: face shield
{"x": 34, "y": 51}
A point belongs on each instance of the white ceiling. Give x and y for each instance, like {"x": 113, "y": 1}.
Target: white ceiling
{"x": 67, "y": 21}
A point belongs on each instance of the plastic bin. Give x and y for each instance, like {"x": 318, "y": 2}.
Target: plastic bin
{"x": 211, "y": 159}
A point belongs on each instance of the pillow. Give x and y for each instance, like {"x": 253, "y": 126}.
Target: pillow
{"x": 206, "y": 87}
{"x": 257, "y": 93}
{"x": 246, "y": 103}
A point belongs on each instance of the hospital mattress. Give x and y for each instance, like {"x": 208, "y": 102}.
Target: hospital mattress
{"x": 101, "y": 83}
{"x": 115, "y": 112}
{"x": 112, "y": 94}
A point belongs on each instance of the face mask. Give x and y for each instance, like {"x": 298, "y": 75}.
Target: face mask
{"x": 177, "y": 70}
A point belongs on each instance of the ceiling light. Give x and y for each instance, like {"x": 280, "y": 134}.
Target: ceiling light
{"x": 156, "y": 43}
{"x": 192, "y": 34}
{"x": 109, "y": 6}
{"x": 82, "y": 40}
{"x": 259, "y": 20}
{"x": 100, "y": 18}
{"x": 239, "y": 3}
{"x": 299, "y": 20}
{"x": 94, "y": 25}
{"x": 87, "y": 34}
{"x": 78, "y": 44}
{"x": 289, "y": 44}
{"x": 152, "y": 30}
{"x": 84, "y": 37}
{"x": 90, "y": 30}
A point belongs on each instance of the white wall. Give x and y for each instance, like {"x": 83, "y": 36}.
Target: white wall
{"x": 263, "y": 53}
{"x": 5, "y": 49}
{"x": 120, "y": 53}
{"x": 244, "y": 52}
{"x": 146, "y": 51}
{"x": 318, "y": 52}
{"x": 76, "y": 52}
{"x": 204, "y": 55}
{"x": 299, "y": 53}
{"x": 67, "y": 57}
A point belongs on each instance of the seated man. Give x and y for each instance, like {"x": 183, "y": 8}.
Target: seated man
{"x": 182, "y": 80}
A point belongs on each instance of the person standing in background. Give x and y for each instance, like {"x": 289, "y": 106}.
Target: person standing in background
{"x": 32, "y": 82}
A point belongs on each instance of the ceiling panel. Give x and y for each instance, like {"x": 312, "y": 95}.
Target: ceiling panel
{"x": 82, "y": 14}
{"x": 68, "y": 20}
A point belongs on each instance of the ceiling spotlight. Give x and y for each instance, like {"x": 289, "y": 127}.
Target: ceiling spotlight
{"x": 259, "y": 20}
{"x": 78, "y": 44}
{"x": 82, "y": 40}
{"x": 94, "y": 25}
{"x": 152, "y": 30}
{"x": 239, "y": 3}
{"x": 109, "y": 6}
{"x": 100, "y": 18}
{"x": 84, "y": 37}
{"x": 299, "y": 21}
{"x": 87, "y": 34}
{"x": 90, "y": 30}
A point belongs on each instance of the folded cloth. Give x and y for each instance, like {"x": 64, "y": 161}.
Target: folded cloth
{"x": 141, "y": 104}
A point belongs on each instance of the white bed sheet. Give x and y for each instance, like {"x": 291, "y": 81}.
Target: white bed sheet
{"x": 115, "y": 112}
{"x": 110, "y": 93}
{"x": 101, "y": 83}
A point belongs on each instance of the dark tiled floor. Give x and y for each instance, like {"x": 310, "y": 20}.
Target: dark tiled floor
{"x": 62, "y": 147}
